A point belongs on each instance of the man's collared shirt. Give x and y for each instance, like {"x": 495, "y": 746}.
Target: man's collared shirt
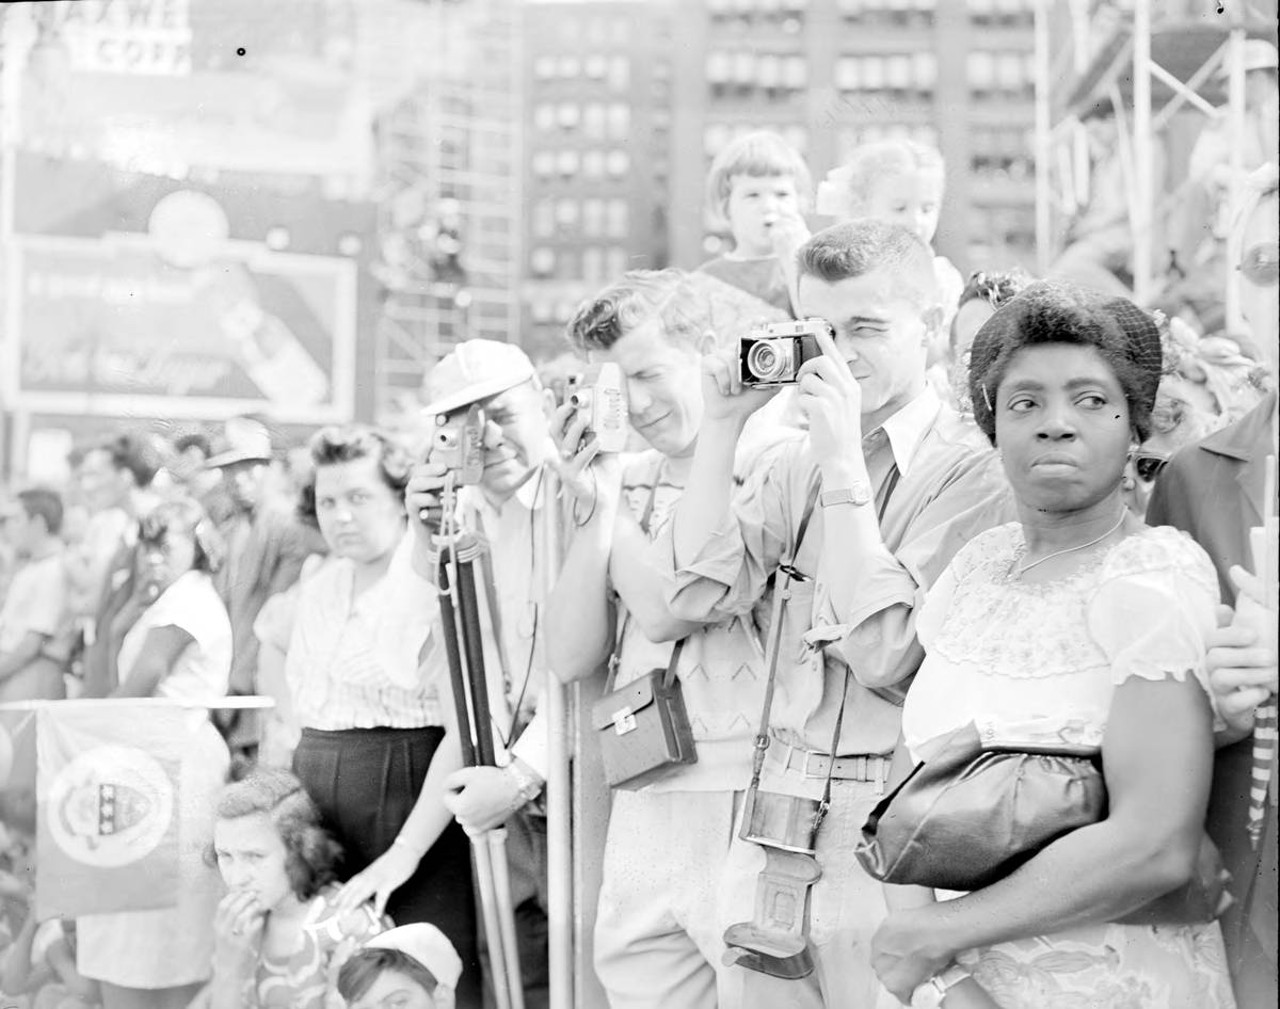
{"x": 949, "y": 488}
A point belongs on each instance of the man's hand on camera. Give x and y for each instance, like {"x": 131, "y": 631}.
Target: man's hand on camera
{"x": 723, "y": 394}
{"x": 586, "y": 473}
{"x": 831, "y": 399}
{"x": 424, "y": 497}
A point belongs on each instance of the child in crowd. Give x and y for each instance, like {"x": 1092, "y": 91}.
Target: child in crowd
{"x": 411, "y": 967}
{"x": 758, "y": 187}
{"x": 279, "y": 939}
{"x": 982, "y": 295}
{"x": 900, "y": 181}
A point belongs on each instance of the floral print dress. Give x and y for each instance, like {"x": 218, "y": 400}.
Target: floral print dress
{"x": 1041, "y": 661}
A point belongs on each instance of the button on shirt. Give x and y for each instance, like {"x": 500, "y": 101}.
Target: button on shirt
{"x": 355, "y": 662}
{"x": 950, "y": 487}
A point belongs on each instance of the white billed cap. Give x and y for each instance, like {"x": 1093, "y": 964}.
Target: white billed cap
{"x": 426, "y": 944}
{"x": 476, "y": 370}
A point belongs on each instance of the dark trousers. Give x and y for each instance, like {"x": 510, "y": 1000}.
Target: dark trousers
{"x": 365, "y": 782}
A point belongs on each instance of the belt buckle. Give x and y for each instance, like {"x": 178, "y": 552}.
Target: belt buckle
{"x": 808, "y": 771}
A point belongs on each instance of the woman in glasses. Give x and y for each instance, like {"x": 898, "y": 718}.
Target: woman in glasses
{"x": 178, "y": 647}
{"x": 1215, "y": 490}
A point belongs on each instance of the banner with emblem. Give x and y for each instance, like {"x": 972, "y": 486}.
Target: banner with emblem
{"x": 108, "y": 804}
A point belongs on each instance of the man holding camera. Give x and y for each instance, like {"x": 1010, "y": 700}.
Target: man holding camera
{"x": 658, "y": 932}
{"x": 885, "y": 488}
{"x": 503, "y": 500}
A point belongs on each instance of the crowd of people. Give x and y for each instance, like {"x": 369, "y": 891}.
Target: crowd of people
{"x": 1008, "y": 503}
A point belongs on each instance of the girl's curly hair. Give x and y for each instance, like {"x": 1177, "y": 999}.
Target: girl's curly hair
{"x": 312, "y": 852}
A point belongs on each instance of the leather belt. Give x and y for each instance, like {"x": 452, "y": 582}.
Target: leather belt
{"x": 858, "y": 767}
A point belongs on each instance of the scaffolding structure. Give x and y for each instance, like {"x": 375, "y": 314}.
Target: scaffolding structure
{"x": 448, "y": 192}
{"x": 1146, "y": 63}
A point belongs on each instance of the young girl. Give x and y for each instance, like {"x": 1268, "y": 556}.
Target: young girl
{"x": 411, "y": 967}
{"x": 279, "y": 939}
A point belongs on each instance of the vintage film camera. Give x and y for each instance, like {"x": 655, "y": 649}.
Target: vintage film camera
{"x": 772, "y": 355}
{"x": 458, "y": 443}
{"x": 600, "y": 395}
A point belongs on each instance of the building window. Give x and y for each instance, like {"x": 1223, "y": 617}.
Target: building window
{"x": 619, "y": 73}
{"x": 544, "y": 164}
{"x": 567, "y": 214}
{"x": 544, "y": 117}
{"x": 544, "y": 68}
{"x": 617, "y": 163}
{"x": 619, "y": 121}
{"x": 596, "y": 67}
{"x": 567, "y": 115}
{"x": 593, "y": 164}
{"x": 619, "y": 218}
{"x": 567, "y": 163}
{"x": 569, "y": 67}
{"x": 542, "y": 261}
{"x": 618, "y": 262}
{"x": 593, "y": 264}
{"x": 542, "y": 311}
{"x": 593, "y": 217}
{"x": 544, "y": 222}
{"x": 593, "y": 120}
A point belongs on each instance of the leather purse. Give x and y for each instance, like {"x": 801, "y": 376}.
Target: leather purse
{"x": 971, "y": 814}
{"x": 643, "y": 727}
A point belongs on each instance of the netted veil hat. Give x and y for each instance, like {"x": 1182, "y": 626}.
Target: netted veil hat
{"x": 1057, "y": 312}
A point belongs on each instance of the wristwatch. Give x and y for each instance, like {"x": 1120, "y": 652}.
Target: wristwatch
{"x": 933, "y": 992}
{"x": 857, "y": 493}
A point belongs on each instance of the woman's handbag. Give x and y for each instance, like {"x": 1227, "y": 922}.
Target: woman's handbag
{"x": 643, "y": 727}
{"x": 971, "y": 814}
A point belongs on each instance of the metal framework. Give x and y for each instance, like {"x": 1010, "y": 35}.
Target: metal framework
{"x": 1148, "y": 68}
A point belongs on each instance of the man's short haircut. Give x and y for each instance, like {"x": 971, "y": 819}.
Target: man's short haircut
{"x": 346, "y": 443}
{"x": 134, "y": 452}
{"x": 311, "y": 854}
{"x": 193, "y": 439}
{"x": 44, "y": 503}
{"x": 365, "y": 966}
{"x": 760, "y": 154}
{"x": 855, "y": 248}
{"x": 667, "y": 297}
{"x": 884, "y": 158}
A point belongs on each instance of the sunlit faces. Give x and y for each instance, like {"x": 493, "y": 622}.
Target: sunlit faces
{"x": 1257, "y": 278}
{"x": 913, "y": 200}
{"x": 879, "y": 332}
{"x": 167, "y": 558}
{"x": 664, "y": 387}
{"x": 245, "y": 482}
{"x": 755, "y": 204}
{"x": 515, "y": 439}
{"x": 1062, "y": 427}
{"x": 361, "y": 518}
{"x": 393, "y": 990}
{"x": 102, "y": 485}
{"x": 252, "y": 858}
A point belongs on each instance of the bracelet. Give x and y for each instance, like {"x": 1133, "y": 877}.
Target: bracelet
{"x": 401, "y": 842}
{"x": 594, "y": 495}
{"x": 528, "y": 785}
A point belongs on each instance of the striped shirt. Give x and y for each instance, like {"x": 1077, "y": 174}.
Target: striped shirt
{"x": 354, "y": 661}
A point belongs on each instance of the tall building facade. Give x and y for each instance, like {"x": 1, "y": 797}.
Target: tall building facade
{"x": 597, "y": 80}
{"x": 830, "y": 74}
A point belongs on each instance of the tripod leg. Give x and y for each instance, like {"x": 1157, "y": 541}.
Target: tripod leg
{"x": 473, "y": 642}
{"x": 497, "y": 839}
{"x": 449, "y": 618}
{"x": 493, "y": 930}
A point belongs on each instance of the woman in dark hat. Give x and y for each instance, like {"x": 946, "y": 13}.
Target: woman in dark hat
{"x": 1075, "y": 624}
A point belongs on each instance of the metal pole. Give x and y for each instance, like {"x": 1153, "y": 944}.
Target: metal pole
{"x": 1235, "y": 131}
{"x": 1144, "y": 171}
{"x": 560, "y": 922}
{"x": 1044, "y": 142}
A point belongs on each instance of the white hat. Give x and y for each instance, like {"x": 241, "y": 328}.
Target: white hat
{"x": 1259, "y": 54}
{"x": 426, "y": 944}
{"x": 247, "y": 441}
{"x": 477, "y": 369}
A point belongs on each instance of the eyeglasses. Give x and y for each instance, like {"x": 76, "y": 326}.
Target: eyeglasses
{"x": 1260, "y": 265}
{"x": 1148, "y": 465}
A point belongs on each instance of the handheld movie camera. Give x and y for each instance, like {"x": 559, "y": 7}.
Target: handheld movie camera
{"x": 772, "y": 355}
{"x": 600, "y": 395}
{"x": 458, "y": 444}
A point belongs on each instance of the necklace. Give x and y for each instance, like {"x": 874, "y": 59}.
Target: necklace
{"x": 1083, "y": 546}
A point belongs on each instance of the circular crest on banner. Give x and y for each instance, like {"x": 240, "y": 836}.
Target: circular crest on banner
{"x": 188, "y": 228}
{"x": 111, "y": 806}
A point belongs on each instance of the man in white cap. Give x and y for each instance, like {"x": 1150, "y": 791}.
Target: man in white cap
{"x": 410, "y": 967}
{"x": 266, "y": 546}
{"x": 506, "y": 509}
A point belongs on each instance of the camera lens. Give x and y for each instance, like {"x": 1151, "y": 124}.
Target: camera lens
{"x": 766, "y": 362}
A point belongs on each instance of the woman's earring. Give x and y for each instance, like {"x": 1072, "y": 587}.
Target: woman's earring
{"x": 986, "y": 398}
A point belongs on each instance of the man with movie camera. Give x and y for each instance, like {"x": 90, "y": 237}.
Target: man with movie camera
{"x": 491, "y": 430}
{"x": 658, "y": 933}
{"x": 850, "y": 526}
